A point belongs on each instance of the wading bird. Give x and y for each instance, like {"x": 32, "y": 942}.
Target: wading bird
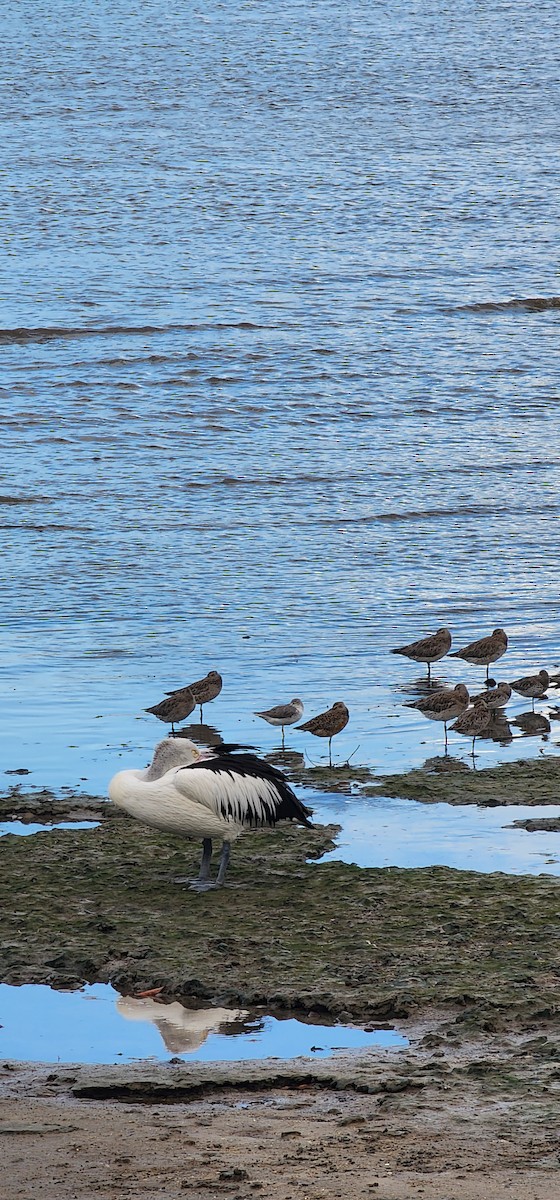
{"x": 427, "y": 650}
{"x": 283, "y": 714}
{"x": 496, "y": 695}
{"x": 485, "y": 651}
{"x": 473, "y": 721}
{"x": 443, "y": 705}
{"x": 215, "y": 795}
{"x": 203, "y": 690}
{"x": 532, "y": 687}
{"x": 174, "y": 708}
{"x": 328, "y": 724}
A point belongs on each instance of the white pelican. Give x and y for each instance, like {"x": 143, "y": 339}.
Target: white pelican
{"x": 215, "y": 794}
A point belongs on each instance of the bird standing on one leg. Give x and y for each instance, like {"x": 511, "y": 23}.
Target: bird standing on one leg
{"x": 216, "y": 795}
{"x": 427, "y": 650}
{"x": 532, "y": 687}
{"x": 485, "y": 651}
{"x": 443, "y": 705}
{"x": 174, "y": 708}
{"x": 283, "y": 714}
{"x": 328, "y": 724}
{"x": 203, "y": 690}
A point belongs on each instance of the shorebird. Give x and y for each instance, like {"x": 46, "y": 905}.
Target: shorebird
{"x": 532, "y": 687}
{"x": 496, "y": 695}
{"x": 473, "y": 721}
{"x": 443, "y": 705}
{"x": 215, "y": 795}
{"x": 174, "y": 708}
{"x": 485, "y": 651}
{"x": 203, "y": 690}
{"x": 427, "y": 650}
{"x": 328, "y": 724}
{"x": 283, "y": 714}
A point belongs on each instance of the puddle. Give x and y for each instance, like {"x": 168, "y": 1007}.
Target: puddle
{"x": 384, "y": 832}
{"x": 96, "y": 1025}
{"x": 25, "y": 828}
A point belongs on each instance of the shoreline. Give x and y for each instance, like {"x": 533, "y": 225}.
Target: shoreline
{"x": 465, "y": 964}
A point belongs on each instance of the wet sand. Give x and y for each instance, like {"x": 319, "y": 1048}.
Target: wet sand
{"x": 467, "y": 965}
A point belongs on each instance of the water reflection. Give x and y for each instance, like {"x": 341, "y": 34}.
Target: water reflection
{"x": 183, "y": 1029}
{"x": 287, "y": 760}
{"x": 208, "y": 735}
{"x": 533, "y": 724}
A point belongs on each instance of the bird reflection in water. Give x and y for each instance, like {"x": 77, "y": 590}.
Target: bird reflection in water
{"x": 287, "y": 760}
{"x": 183, "y": 1030}
{"x": 207, "y": 735}
{"x": 533, "y": 724}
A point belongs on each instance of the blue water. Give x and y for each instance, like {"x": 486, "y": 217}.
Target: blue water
{"x": 266, "y": 405}
{"x": 95, "y": 1025}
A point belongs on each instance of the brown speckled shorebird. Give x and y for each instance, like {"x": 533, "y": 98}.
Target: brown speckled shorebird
{"x": 203, "y": 690}
{"x": 496, "y": 695}
{"x": 473, "y": 721}
{"x": 283, "y": 714}
{"x": 485, "y": 651}
{"x": 443, "y": 705}
{"x": 174, "y": 708}
{"x": 532, "y": 687}
{"x": 427, "y": 650}
{"x": 328, "y": 724}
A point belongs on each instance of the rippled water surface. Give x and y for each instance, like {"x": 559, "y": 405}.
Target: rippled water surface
{"x": 266, "y": 402}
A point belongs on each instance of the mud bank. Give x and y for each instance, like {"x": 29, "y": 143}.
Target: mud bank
{"x": 472, "y": 1122}
{"x": 363, "y": 944}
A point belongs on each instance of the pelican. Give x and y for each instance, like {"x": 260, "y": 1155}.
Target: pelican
{"x": 215, "y": 794}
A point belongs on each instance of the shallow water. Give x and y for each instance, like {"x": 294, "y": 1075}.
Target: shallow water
{"x": 96, "y": 1025}
{"x": 24, "y": 829}
{"x": 266, "y": 403}
{"x": 384, "y": 832}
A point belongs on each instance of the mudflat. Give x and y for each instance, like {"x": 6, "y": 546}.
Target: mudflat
{"x": 467, "y": 965}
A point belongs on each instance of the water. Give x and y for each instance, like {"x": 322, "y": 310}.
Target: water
{"x": 266, "y": 404}
{"x": 23, "y": 829}
{"x": 384, "y": 832}
{"x": 96, "y": 1025}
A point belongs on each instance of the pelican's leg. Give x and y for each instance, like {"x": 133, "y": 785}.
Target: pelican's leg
{"x": 224, "y": 863}
{"x": 203, "y": 883}
{"x": 204, "y": 871}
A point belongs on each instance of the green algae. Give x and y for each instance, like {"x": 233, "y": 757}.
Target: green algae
{"x": 286, "y": 933}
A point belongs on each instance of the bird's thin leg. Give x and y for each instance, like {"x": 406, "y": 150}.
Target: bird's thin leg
{"x": 429, "y": 673}
{"x": 282, "y": 737}
{"x": 445, "y": 728}
{"x": 330, "y": 756}
{"x": 173, "y": 728}
{"x": 487, "y": 673}
{"x": 533, "y": 698}
{"x": 201, "y": 714}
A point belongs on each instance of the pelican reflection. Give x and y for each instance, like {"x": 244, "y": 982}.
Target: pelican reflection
{"x": 182, "y": 1030}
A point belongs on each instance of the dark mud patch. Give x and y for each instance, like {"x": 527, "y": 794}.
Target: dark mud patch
{"x": 524, "y": 782}
{"x": 353, "y": 943}
{"x": 538, "y": 824}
